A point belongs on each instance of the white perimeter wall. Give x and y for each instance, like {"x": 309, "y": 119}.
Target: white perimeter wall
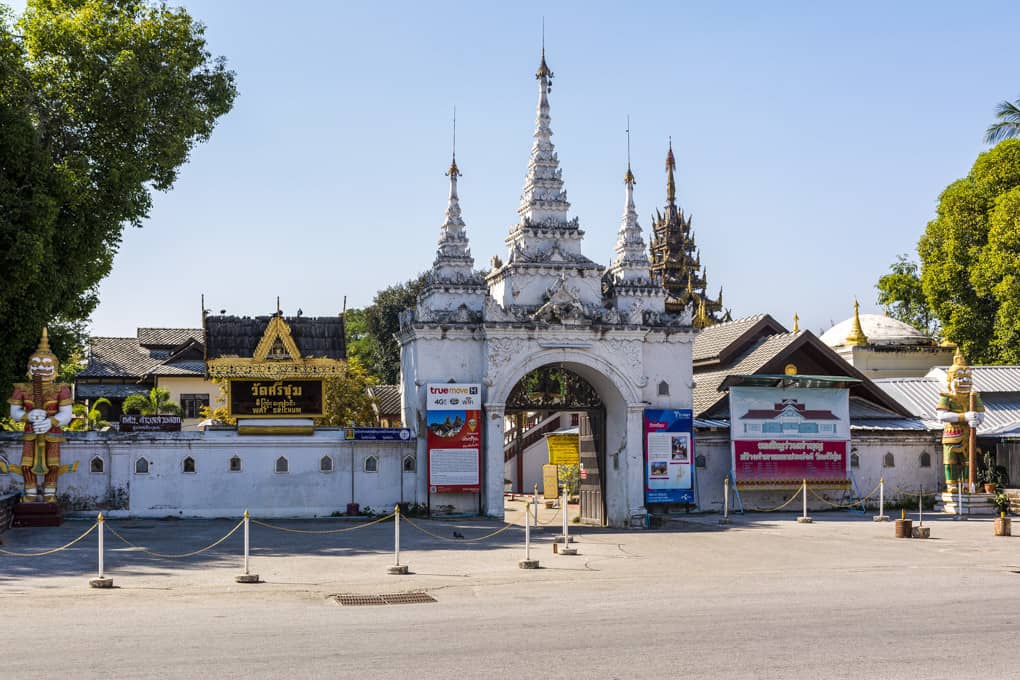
{"x": 213, "y": 490}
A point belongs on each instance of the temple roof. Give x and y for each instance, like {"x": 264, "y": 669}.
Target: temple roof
{"x": 234, "y": 336}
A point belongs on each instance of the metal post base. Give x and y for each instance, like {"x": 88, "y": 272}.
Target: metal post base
{"x": 101, "y": 582}
{"x": 804, "y": 520}
{"x": 880, "y": 518}
{"x": 247, "y": 578}
{"x": 528, "y": 564}
{"x": 398, "y": 569}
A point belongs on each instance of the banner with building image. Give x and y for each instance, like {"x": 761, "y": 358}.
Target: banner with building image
{"x": 784, "y": 435}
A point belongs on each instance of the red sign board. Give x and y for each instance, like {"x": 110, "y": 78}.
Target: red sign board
{"x": 783, "y": 461}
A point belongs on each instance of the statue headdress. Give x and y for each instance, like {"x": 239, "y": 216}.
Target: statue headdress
{"x": 43, "y": 350}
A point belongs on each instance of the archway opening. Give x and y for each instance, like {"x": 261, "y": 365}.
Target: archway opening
{"x": 553, "y": 399}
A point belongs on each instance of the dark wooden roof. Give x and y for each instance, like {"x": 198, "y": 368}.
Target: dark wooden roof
{"x": 238, "y": 336}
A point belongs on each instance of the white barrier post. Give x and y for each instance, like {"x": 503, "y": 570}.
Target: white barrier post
{"x": 247, "y": 576}
{"x": 804, "y": 519}
{"x": 397, "y": 567}
{"x": 527, "y": 562}
{"x": 725, "y": 501}
{"x": 566, "y": 549}
{"x": 881, "y": 516}
{"x": 101, "y": 581}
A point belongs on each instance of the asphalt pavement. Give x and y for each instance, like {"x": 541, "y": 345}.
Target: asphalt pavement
{"x": 762, "y": 597}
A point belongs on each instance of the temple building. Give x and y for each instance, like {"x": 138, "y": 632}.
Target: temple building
{"x": 676, "y": 260}
{"x": 883, "y": 347}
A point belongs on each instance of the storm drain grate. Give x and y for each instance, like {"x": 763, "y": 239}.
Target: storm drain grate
{"x": 349, "y": 600}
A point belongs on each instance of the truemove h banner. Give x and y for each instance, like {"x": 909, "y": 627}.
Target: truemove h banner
{"x": 453, "y": 413}
{"x": 669, "y": 456}
{"x": 786, "y": 435}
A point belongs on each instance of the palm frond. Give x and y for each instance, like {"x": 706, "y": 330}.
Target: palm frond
{"x": 1008, "y": 126}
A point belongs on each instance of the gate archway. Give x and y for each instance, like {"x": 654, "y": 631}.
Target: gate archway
{"x": 535, "y": 407}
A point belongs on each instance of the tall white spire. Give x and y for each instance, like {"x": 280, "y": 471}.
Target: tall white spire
{"x": 631, "y": 263}
{"x": 543, "y": 199}
{"x": 453, "y": 257}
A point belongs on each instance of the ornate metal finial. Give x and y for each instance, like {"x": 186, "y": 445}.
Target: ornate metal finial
{"x": 278, "y": 312}
{"x": 670, "y": 167}
{"x": 454, "y": 171}
{"x": 856, "y": 338}
{"x": 543, "y": 70}
{"x": 796, "y": 323}
{"x": 629, "y": 177}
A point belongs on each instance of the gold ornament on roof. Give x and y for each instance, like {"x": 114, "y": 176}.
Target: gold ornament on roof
{"x": 857, "y": 338}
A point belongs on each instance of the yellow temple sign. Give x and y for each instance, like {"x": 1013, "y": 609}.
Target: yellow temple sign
{"x": 564, "y": 449}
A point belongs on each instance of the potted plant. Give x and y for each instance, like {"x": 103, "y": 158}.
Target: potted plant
{"x": 992, "y": 476}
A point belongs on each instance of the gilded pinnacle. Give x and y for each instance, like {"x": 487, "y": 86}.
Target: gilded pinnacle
{"x": 629, "y": 177}
{"x": 543, "y": 70}
{"x": 454, "y": 171}
{"x": 857, "y": 338}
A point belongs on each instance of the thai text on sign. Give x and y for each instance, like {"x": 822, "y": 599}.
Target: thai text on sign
{"x": 276, "y": 398}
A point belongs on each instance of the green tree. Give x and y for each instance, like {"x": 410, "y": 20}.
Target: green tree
{"x": 346, "y": 400}
{"x": 156, "y": 402}
{"x": 1008, "y": 124}
{"x": 101, "y": 102}
{"x": 901, "y": 294}
{"x": 89, "y": 417}
{"x": 382, "y": 323}
{"x": 970, "y": 258}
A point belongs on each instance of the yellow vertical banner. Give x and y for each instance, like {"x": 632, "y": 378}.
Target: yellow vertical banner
{"x": 550, "y": 481}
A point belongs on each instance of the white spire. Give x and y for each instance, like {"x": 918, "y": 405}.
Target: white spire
{"x": 543, "y": 199}
{"x": 453, "y": 257}
{"x": 631, "y": 262}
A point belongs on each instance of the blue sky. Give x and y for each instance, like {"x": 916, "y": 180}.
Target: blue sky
{"x": 812, "y": 142}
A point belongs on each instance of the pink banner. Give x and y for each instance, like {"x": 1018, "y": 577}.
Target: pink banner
{"x": 778, "y": 461}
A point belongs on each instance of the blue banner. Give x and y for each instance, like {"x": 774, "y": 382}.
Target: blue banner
{"x": 377, "y": 434}
{"x": 669, "y": 456}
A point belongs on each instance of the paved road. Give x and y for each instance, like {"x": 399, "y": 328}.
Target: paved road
{"x": 764, "y": 598}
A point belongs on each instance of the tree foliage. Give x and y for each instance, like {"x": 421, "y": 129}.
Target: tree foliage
{"x": 346, "y": 399}
{"x": 101, "y": 101}
{"x": 155, "y": 403}
{"x": 901, "y": 294}
{"x": 970, "y": 258}
{"x": 379, "y": 349}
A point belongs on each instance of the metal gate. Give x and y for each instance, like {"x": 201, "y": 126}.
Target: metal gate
{"x": 592, "y": 431}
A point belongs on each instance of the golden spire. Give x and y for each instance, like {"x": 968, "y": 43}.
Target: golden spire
{"x": 454, "y": 171}
{"x": 543, "y": 70}
{"x": 629, "y": 177}
{"x": 856, "y": 338}
{"x": 670, "y": 167}
{"x": 44, "y": 343}
{"x": 796, "y": 323}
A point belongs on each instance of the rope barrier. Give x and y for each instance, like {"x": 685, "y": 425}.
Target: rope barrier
{"x": 54, "y": 550}
{"x": 181, "y": 555}
{"x": 323, "y": 531}
{"x": 778, "y": 507}
{"x": 844, "y": 505}
{"x": 918, "y": 495}
{"x": 551, "y": 520}
{"x": 458, "y": 540}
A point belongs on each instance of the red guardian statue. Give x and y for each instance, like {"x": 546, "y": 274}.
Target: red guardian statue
{"x": 45, "y": 407}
